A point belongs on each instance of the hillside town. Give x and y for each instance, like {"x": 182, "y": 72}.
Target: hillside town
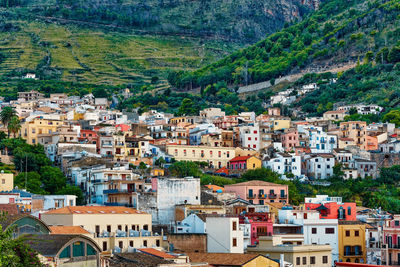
{"x": 142, "y": 205}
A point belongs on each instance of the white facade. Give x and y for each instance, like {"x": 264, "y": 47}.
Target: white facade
{"x": 58, "y": 201}
{"x": 174, "y": 191}
{"x": 191, "y": 224}
{"x": 390, "y": 147}
{"x": 322, "y": 142}
{"x": 363, "y": 109}
{"x": 284, "y": 163}
{"x": 250, "y": 136}
{"x": 316, "y": 231}
{"x": 224, "y": 235}
{"x": 322, "y": 199}
{"x": 320, "y": 166}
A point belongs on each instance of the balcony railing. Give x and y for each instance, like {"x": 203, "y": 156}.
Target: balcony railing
{"x": 282, "y": 196}
{"x": 251, "y": 196}
{"x": 272, "y": 196}
{"x": 353, "y": 253}
{"x": 118, "y": 204}
{"x": 262, "y": 196}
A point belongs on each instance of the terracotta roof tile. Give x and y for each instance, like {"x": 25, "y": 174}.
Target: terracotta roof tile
{"x": 157, "y": 253}
{"x": 95, "y": 210}
{"x": 232, "y": 259}
{"x": 240, "y": 158}
{"x": 67, "y": 230}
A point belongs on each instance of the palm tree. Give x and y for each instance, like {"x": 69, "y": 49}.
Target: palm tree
{"x": 6, "y": 114}
{"x": 14, "y": 125}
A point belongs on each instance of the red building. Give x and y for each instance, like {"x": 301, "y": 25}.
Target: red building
{"x": 334, "y": 210}
{"x": 89, "y": 137}
{"x": 261, "y": 224}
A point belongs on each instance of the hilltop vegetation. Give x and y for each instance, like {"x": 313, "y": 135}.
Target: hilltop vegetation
{"x": 240, "y": 20}
{"x": 341, "y": 31}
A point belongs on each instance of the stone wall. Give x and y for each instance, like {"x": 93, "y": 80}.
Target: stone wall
{"x": 188, "y": 242}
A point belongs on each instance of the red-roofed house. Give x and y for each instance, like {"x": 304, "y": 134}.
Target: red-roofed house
{"x": 244, "y": 163}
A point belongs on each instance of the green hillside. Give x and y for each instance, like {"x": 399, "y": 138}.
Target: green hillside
{"x": 340, "y": 31}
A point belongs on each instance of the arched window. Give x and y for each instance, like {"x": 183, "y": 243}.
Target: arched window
{"x": 90, "y": 250}
{"x": 66, "y": 253}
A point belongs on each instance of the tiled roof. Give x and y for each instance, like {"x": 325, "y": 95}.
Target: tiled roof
{"x": 157, "y": 253}
{"x": 335, "y": 111}
{"x": 231, "y": 259}
{"x": 135, "y": 259}
{"x": 214, "y": 188}
{"x": 67, "y": 230}
{"x": 255, "y": 183}
{"x": 95, "y": 210}
{"x": 240, "y": 158}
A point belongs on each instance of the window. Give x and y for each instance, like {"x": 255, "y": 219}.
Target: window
{"x": 329, "y": 230}
{"x": 120, "y": 227}
{"x": 261, "y": 202}
{"x": 356, "y": 233}
{"x": 305, "y": 216}
{"x": 314, "y": 231}
{"x": 249, "y": 138}
{"x": 157, "y": 243}
{"x": 348, "y": 210}
{"x": 304, "y": 260}
{"x": 109, "y": 228}
{"x": 145, "y": 243}
{"x": 396, "y": 223}
{"x": 347, "y": 233}
{"x": 66, "y": 253}
{"x": 297, "y": 260}
{"x": 3, "y": 181}
{"x": 234, "y": 242}
{"x": 90, "y": 250}
{"x": 312, "y": 260}
{"x": 120, "y": 244}
{"x": 131, "y": 244}
{"x": 324, "y": 259}
{"x": 234, "y": 226}
{"x": 78, "y": 249}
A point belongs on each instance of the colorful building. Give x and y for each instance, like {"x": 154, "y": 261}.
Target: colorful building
{"x": 260, "y": 192}
{"x": 334, "y": 210}
{"x": 261, "y": 224}
{"x": 391, "y": 242}
{"x": 352, "y": 242}
{"x": 245, "y": 163}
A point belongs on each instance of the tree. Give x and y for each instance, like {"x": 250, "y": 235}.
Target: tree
{"x": 184, "y": 169}
{"x": 31, "y": 181}
{"x": 100, "y": 93}
{"x": 52, "y": 178}
{"x": 72, "y": 190}
{"x": 392, "y": 116}
{"x": 15, "y": 251}
{"x": 394, "y": 54}
{"x": 187, "y": 107}
{"x": 6, "y": 114}
{"x": 14, "y": 125}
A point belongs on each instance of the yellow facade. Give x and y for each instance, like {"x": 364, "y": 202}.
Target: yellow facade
{"x": 280, "y": 124}
{"x": 261, "y": 261}
{"x": 78, "y": 116}
{"x": 352, "y": 234}
{"x": 33, "y": 129}
{"x": 6, "y": 181}
{"x": 217, "y": 157}
{"x": 253, "y": 163}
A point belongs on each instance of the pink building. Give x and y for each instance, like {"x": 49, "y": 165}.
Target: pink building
{"x": 391, "y": 242}
{"x": 260, "y": 192}
{"x": 290, "y": 140}
{"x": 261, "y": 224}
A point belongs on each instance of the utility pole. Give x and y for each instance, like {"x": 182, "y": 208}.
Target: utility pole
{"x": 26, "y": 169}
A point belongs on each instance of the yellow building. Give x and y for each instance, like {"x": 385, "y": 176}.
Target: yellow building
{"x": 6, "y": 181}
{"x": 280, "y": 123}
{"x": 298, "y": 255}
{"x": 356, "y": 130}
{"x": 352, "y": 241}
{"x": 109, "y": 226}
{"x": 232, "y": 259}
{"x": 32, "y": 130}
{"x": 217, "y": 157}
{"x": 253, "y": 163}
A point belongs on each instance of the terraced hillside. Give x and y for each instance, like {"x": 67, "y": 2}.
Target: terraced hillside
{"x": 79, "y": 54}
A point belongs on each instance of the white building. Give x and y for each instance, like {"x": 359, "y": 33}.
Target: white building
{"x": 224, "y": 235}
{"x": 363, "y": 109}
{"x": 166, "y": 193}
{"x": 250, "y": 136}
{"x": 322, "y": 142}
{"x": 390, "y": 146}
{"x": 320, "y": 166}
{"x": 192, "y": 224}
{"x": 284, "y": 163}
{"x": 322, "y": 199}
{"x": 316, "y": 231}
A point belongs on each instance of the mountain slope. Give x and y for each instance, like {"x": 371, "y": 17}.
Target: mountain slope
{"x": 341, "y": 31}
{"x": 239, "y": 20}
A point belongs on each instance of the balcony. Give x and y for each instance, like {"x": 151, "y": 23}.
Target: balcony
{"x": 118, "y": 204}
{"x": 282, "y": 196}
{"x": 393, "y": 246}
{"x": 353, "y": 253}
{"x": 116, "y": 191}
{"x": 272, "y": 196}
{"x": 253, "y": 196}
{"x": 262, "y": 196}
